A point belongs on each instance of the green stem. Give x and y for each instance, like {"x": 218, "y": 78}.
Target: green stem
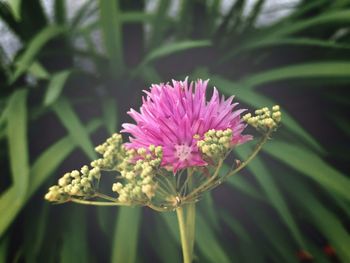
{"x": 205, "y": 184}
{"x": 257, "y": 149}
{"x": 106, "y": 197}
{"x": 98, "y": 203}
{"x": 187, "y": 230}
{"x": 190, "y": 222}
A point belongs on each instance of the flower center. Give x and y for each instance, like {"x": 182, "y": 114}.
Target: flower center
{"x": 183, "y": 151}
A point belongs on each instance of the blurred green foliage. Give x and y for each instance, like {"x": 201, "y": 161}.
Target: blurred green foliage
{"x": 71, "y": 83}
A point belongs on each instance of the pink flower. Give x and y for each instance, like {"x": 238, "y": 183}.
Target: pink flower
{"x": 171, "y": 115}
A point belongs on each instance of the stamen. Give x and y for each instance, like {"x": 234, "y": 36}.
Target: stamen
{"x": 183, "y": 152}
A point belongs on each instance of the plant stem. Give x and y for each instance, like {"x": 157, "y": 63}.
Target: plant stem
{"x": 98, "y": 203}
{"x": 256, "y": 150}
{"x": 187, "y": 230}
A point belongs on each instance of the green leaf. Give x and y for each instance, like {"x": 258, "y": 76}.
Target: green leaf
{"x": 55, "y": 86}
{"x": 264, "y": 177}
{"x": 38, "y": 71}
{"x": 60, "y": 11}
{"x": 159, "y": 23}
{"x": 75, "y": 246}
{"x": 4, "y": 243}
{"x": 112, "y": 32}
{"x": 16, "y": 131}
{"x": 298, "y": 42}
{"x": 17, "y": 140}
{"x": 235, "y": 226}
{"x": 206, "y": 238}
{"x": 172, "y": 48}
{"x": 124, "y": 247}
{"x": 71, "y": 122}
{"x": 26, "y": 59}
{"x": 136, "y": 17}
{"x": 171, "y": 222}
{"x": 309, "y": 70}
{"x": 326, "y": 18}
{"x": 208, "y": 210}
{"x": 83, "y": 12}
{"x": 110, "y": 114}
{"x": 163, "y": 243}
{"x": 311, "y": 165}
{"x": 34, "y": 233}
{"x": 15, "y": 8}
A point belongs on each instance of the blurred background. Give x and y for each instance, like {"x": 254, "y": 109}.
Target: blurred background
{"x": 69, "y": 71}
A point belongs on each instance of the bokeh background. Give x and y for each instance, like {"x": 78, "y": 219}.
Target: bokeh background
{"x": 69, "y": 71}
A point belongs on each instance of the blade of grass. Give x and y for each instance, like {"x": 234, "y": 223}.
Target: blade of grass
{"x": 112, "y": 32}
{"x": 71, "y": 122}
{"x": 251, "y": 19}
{"x": 26, "y": 59}
{"x": 15, "y": 6}
{"x": 16, "y": 132}
{"x": 60, "y": 11}
{"x": 136, "y": 17}
{"x": 235, "y": 226}
{"x": 110, "y": 114}
{"x": 56, "y": 85}
{"x": 311, "y": 165}
{"x": 206, "y": 238}
{"x": 75, "y": 247}
{"x": 4, "y": 243}
{"x": 124, "y": 247}
{"x": 34, "y": 233}
{"x": 159, "y": 23}
{"x": 326, "y": 18}
{"x": 164, "y": 246}
{"x": 38, "y": 71}
{"x": 309, "y": 70}
{"x": 82, "y": 13}
{"x": 175, "y": 47}
{"x": 297, "y": 42}
{"x": 208, "y": 210}
{"x": 167, "y": 50}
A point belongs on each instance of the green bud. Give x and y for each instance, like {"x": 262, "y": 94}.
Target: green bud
{"x": 62, "y": 182}
{"x": 75, "y": 174}
{"x": 152, "y": 148}
{"x": 276, "y": 108}
{"x": 141, "y": 151}
{"x": 117, "y": 187}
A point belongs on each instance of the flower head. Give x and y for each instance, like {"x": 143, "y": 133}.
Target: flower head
{"x": 177, "y": 116}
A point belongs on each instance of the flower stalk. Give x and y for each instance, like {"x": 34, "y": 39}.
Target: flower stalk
{"x": 186, "y": 216}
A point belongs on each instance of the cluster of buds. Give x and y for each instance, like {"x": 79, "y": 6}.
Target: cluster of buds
{"x": 216, "y": 143}
{"x": 112, "y": 152}
{"x": 74, "y": 184}
{"x": 265, "y": 120}
{"x": 138, "y": 170}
